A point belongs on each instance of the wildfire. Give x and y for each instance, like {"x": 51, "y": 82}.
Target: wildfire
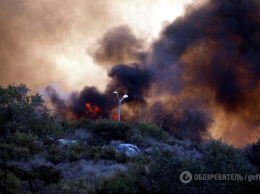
{"x": 115, "y": 117}
{"x": 92, "y": 108}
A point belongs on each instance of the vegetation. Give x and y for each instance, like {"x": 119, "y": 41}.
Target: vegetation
{"x": 35, "y": 158}
{"x": 109, "y": 130}
{"x": 25, "y": 113}
{"x": 192, "y": 121}
{"x": 151, "y": 130}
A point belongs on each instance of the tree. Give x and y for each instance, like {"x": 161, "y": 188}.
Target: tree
{"x": 23, "y": 112}
{"x": 192, "y": 121}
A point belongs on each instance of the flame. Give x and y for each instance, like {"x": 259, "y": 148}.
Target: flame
{"x": 92, "y": 109}
{"x": 115, "y": 117}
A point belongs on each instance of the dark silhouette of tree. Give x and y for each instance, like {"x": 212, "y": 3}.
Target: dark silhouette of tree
{"x": 8, "y": 114}
{"x": 192, "y": 121}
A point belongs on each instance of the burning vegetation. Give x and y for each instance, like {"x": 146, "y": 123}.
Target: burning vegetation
{"x": 115, "y": 117}
{"x": 92, "y": 108}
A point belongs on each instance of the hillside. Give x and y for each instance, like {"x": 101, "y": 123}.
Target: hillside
{"x": 41, "y": 154}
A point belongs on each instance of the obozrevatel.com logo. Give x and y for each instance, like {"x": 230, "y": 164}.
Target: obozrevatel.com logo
{"x": 186, "y": 177}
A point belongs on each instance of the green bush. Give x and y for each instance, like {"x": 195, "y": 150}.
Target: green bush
{"x": 83, "y": 123}
{"x": 9, "y": 183}
{"x": 112, "y": 130}
{"x": 21, "y": 139}
{"x": 121, "y": 157}
{"x": 151, "y": 130}
{"x": 108, "y": 153}
{"x": 222, "y": 158}
{"x": 38, "y": 174}
{"x": 252, "y": 152}
{"x": 12, "y": 183}
{"x": 72, "y": 153}
{"x": 47, "y": 174}
{"x": 164, "y": 174}
{"x": 218, "y": 158}
{"x": 139, "y": 168}
{"x": 121, "y": 182}
{"x": 80, "y": 151}
{"x": 55, "y": 154}
{"x": 49, "y": 127}
{"x": 19, "y": 146}
{"x": 80, "y": 186}
{"x": 94, "y": 140}
{"x": 7, "y": 151}
{"x": 13, "y": 152}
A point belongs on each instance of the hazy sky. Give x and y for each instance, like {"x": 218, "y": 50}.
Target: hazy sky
{"x": 47, "y": 42}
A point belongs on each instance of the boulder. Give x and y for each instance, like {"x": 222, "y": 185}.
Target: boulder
{"x": 66, "y": 141}
{"x": 128, "y": 149}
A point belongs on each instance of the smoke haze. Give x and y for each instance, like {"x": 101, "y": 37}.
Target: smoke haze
{"x": 45, "y": 41}
{"x": 35, "y": 37}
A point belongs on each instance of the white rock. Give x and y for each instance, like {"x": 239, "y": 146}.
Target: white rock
{"x": 66, "y": 141}
{"x": 128, "y": 149}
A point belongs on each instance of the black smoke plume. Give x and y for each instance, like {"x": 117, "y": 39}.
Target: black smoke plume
{"x": 218, "y": 45}
{"x": 215, "y": 49}
{"x": 132, "y": 80}
{"x": 96, "y": 99}
{"x": 212, "y": 54}
{"x": 89, "y": 103}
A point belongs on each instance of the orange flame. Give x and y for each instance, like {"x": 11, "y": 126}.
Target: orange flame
{"x": 92, "y": 109}
{"x": 115, "y": 117}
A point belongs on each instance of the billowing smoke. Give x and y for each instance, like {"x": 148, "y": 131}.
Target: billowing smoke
{"x": 91, "y": 103}
{"x": 59, "y": 103}
{"x": 214, "y": 51}
{"x": 216, "y": 45}
{"x": 132, "y": 80}
{"x": 118, "y": 45}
